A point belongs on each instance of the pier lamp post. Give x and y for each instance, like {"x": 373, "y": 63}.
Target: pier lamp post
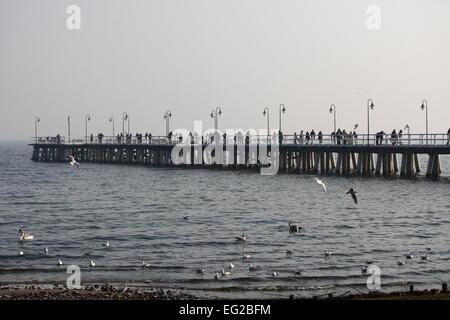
{"x": 88, "y": 118}
{"x": 36, "y": 122}
{"x": 111, "y": 120}
{"x": 68, "y": 127}
{"x": 282, "y": 109}
{"x": 370, "y": 105}
{"x": 167, "y": 117}
{"x": 125, "y": 117}
{"x": 425, "y": 106}
{"x": 215, "y": 114}
{"x": 333, "y": 110}
{"x": 266, "y": 114}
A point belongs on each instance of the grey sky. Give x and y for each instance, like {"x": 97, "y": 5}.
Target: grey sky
{"x": 145, "y": 56}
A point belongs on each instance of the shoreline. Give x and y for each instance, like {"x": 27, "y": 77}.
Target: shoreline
{"x": 108, "y": 292}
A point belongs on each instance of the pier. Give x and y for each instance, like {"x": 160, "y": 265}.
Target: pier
{"x": 365, "y": 155}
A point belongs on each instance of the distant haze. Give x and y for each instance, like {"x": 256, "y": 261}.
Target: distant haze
{"x": 144, "y": 57}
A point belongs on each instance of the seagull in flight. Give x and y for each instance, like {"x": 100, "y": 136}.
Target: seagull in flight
{"x": 353, "y": 193}
{"x": 355, "y": 126}
{"x": 73, "y": 162}
{"x": 320, "y": 182}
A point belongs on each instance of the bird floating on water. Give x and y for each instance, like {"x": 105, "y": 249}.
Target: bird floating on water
{"x": 231, "y": 266}
{"x": 274, "y": 273}
{"x": 353, "y": 193}
{"x": 46, "y": 250}
{"x": 409, "y": 256}
{"x": 289, "y": 252}
{"x": 241, "y": 238}
{"x": 145, "y": 265}
{"x": 298, "y": 273}
{"x": 364, "y": 270}
{"x": 106, "y": 244}
{"x": 424, "y": 257}
{"x": 25, "y": 236}
{"x": 245, "y": 256}
{"x": 320, "y": 182}
{"x": 252, "y": 268}
{"x": 225, "y": 273}
{"x": 217, "y": 276}
{"x": 327, "y": 253}
{"x": 294, "y": 227}
{"x": 428, "y": 248}
{"x": 202, "y": 270}
{"x": 400, "y": 263}
{"x": 92, "y": 264}
{"x": 20, "y": 253}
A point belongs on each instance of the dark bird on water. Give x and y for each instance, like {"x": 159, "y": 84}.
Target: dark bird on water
{"x": 352, "y": 192}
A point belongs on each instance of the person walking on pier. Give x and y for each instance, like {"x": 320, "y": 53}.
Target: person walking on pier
{"x": 400, "y": 135}
{"x": 320, "y": 137}
{"x": 394, "y": 137}
{"x": 307, "y": 137}
{"x": 92, "y": 138}
{"x": 338, "y": 136}
{"x": 295, "y": 137}
{"x": 313, "y": 136}
{"x": 448, "y": 136}
{"x": 355, "y": 137}
{"x": 301, "y": 137}
{"x": 100, "y": 137}
{"x": 333, "y": 137}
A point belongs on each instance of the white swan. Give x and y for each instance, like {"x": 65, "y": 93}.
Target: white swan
{"x": 25, "y": 236}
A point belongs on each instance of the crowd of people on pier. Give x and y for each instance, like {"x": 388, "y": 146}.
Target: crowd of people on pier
{"x": 340, "y": 137}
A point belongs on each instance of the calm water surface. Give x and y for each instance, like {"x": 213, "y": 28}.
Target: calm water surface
{"x": 140, "y": 211}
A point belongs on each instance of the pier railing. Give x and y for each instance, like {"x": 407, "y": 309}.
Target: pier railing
{"x": 431, "y": 139}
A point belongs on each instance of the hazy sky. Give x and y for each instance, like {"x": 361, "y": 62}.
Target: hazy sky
{"x": 145, "y": 56}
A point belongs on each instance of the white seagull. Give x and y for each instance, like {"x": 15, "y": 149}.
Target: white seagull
{"x": 322, "y": 184}
{"x": 21, "y": 253}
{"x": 225, "y": 273}
{"x": 145, "y": 265}
{"x": 92, "y": 264}
{"x": 46, "y": 250}
{"x": 241, "y": 238}
{"x": 327, "y": 253}
{"x": 217, "y": 276}
{"x": 274, "y": 273}
{"x": 73, "y": 162}
{"x": 294, "y": 227}
{"x": 245, "y": 256}
{"x": 106, "y": 244}
{"x": 202, "y": 270}
{"x": 400, "y": 263}
{"x": 59, "y": 262}
{"x": 231, "y": 266}
{"x": 252, "y": 268}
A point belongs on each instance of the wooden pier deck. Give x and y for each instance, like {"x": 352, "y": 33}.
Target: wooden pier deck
{"x": 361, "y": 156}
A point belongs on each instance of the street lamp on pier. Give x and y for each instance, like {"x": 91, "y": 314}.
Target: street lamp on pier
{"x": 215, "y": 114}
{"x": 88, "y": 118}
{"x": 124, "y": 118}
{"x": 36, "y": 122}
{"x": 111, "y": 120}
{"x": 425, "y": 106}
{"x": 167, "y": 117}
{"x": 282, "y": 109}
{"x": 266, "y": 114}
{"x": 333, "y": 110}
{"x": 370, "y": 105}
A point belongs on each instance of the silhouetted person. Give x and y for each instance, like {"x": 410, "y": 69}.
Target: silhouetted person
{"x": 320, "y": 137}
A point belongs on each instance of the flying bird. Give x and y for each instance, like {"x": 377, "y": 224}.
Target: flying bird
{"x": 320, "y": 182}
{"x": 352, "y": 192}
{"x": 355, "y": 126}
{"x": 73, "y": 162}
